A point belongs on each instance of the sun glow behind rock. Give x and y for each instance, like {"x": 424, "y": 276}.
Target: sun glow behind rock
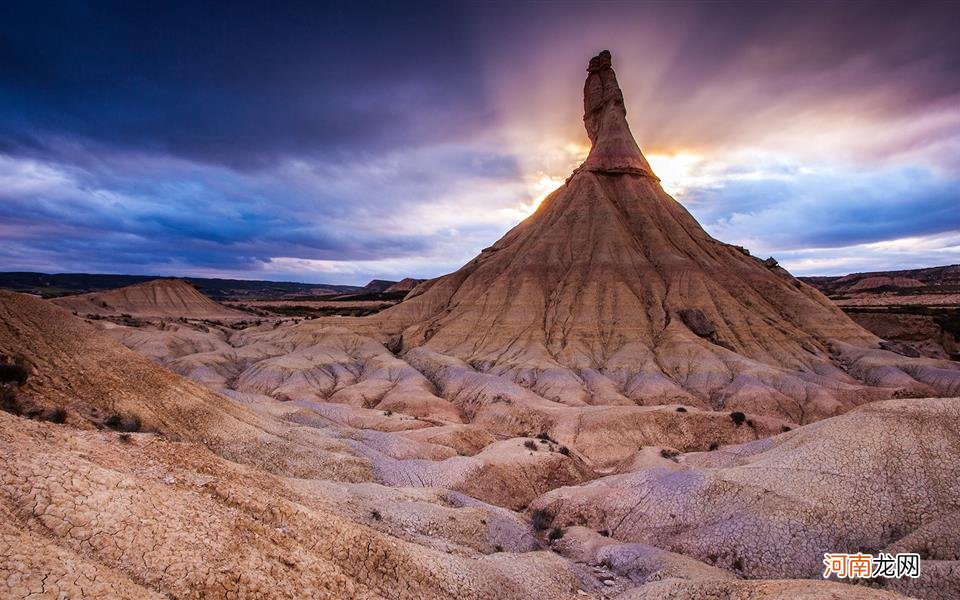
{"x": 677, "y": 171}
{"x": 542, "y": 187}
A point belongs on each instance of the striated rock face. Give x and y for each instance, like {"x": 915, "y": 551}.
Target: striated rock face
{"x": 605, "y": 117}
{"x": 612, "y": 293}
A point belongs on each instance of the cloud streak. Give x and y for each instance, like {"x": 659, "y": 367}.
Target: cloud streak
{"x": 370, "y": 140}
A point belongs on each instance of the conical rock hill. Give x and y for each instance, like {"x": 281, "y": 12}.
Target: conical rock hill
{"x": 611, "y": 292}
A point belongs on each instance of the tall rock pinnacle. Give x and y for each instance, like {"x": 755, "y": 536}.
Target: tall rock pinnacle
{"x": 605, "y": 117}
{"x": 612, "y": 293}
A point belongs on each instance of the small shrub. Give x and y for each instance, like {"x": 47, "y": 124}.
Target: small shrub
{"x": 375, "y": 515}
{"x": 118, "y": 423}
{"x": 388, "y": 413}
{"x": 14, "y": 373}
{"x": 751, "y": 424}
{"x": 681, "y": 409}
{"x": 9, "y": 402}
{"x": 540, "y": 520}
{"x": 738, "y": 418}
{"x": 564, "y": 451}
{"x": 669, "y": 454}
{"x": 57, "y": 415}
{"x": 605, "y": 532}
{"x": 714, "y": 446}
{"x": 498, "y": 548}
{"x": 530, "y": 445}
{"x": 555, "y": 534}
{"x": 785, "y": 429}
{"x": 544, "y": 436}
{"x": 124, "y": 438}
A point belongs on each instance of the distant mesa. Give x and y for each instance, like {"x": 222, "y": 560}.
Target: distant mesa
{"x": 159, "y": 298}
{"x": 915, "y": 311}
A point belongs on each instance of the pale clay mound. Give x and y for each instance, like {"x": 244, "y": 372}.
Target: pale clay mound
{"x": 174, "y": 298}
{"x": 87, "y": 513}
{"x": 884, "y": 477}
{"x": 573, "y": 368}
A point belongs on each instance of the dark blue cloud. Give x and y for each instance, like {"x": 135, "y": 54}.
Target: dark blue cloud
{"x": 361, "y": 139}
{"x": 828, "y": 207}
{"x": 237, "y": 84}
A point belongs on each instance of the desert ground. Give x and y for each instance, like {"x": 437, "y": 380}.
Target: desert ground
{"x": 605, "y": 403}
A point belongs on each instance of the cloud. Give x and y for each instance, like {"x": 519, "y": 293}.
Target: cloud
{"x": 340, "y": 144}
{"x": 157, "y": 215}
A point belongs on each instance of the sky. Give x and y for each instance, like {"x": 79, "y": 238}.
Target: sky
{"x": 340, "y": 142}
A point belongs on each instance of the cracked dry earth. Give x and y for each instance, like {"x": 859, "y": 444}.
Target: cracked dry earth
{"x": 606, "y": 403}
{"x": 254, "y": 497}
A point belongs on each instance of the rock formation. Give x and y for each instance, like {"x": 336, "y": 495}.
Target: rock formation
{"x": 405, "y": 285}
{"x": 606, "y": 403}
{"x": 612, "y": 293}
{"x": 157, "y": 298}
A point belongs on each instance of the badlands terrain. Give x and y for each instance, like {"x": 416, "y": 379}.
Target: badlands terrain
{"x": 919, "y": 308}
{"x": 605, "y": 403}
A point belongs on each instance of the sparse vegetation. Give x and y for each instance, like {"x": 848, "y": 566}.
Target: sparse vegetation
{"x": 555, "y": 534}
{"x": 130, "y": 423}
{"x": 124, "y": 438}
{"x": 605, "y": 532}
{"x": 498, "y": 548}
{"x": 669, "y": 454}
{"x": 9, "y": 402}
{"x": 738, "y": 418}
{"x": 714, "y": 446}
{"x": 530, "y": 445}
{"x": 388, "y": 413}
{"x": 545, "y": 437}
{"x": 540, "y": 520}
{"x": 375, "y": 515}
{"x": 14, "y": 372}
{"x": 564, "y": 451}
{"x": 785, "y": 429}
{"x": 681, "y": 409}
{"x": 57, "y": 415}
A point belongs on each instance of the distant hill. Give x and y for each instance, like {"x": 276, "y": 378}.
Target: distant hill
{"x": 930, "y": 280}
{"x": 65, "y": 284}
{"x": 158, "y": 298}
{"x": 917, "y": 307}
{"x": 405, "y": 285}
{"x": 379, "y": 285}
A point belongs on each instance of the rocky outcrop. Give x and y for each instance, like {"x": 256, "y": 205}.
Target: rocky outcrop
{"x": 612, "y": 293}
{"x": 171, "y": 298}
{"x": 605, "y": 117}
